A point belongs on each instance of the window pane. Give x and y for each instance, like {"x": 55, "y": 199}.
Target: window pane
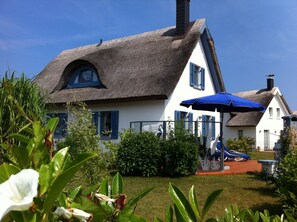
{"x": 270, "y": 112}
{"x": 240, "y": 134}
{"x": 278, "y": 112}
{"x": 84, "y": 76}
{"x": 106, "y": 122}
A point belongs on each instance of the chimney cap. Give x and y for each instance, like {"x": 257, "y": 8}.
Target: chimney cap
{"x": 270, "y": 76}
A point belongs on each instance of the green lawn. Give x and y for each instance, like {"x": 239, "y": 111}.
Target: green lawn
{"x": 245, "y": 190}
{"x": 269, "y": 155}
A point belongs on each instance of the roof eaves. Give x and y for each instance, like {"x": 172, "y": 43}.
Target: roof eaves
{"x": 212, "y": 60}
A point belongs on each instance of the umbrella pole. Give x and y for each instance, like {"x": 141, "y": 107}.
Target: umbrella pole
{"x": 221, "y": 142}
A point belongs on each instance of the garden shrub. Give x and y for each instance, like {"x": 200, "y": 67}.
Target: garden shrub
{"x": 139, "y": 154}
{"x": 243, "y": 144}
{"x": 82, "y": 137}
{"x": 286, "y": 173}
{"x": 288, "y": 140}
{"x": 179, "y": 154}
{"x": 110, "y": 154}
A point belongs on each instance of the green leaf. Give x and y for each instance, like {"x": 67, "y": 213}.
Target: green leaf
{"x": 255, "y": 217}
{"x": 75, "y": 192}
{"x": 20, "y": 137}
{"x": 45, "y": 179}
{"x": 136, "y": 218}
{"x": 139, "y": 196}
{"x": 63, "y": 179}
{"x": 21, "y": 156}
{"x": 104, "y": 187}
{"x": 117, "y": 185}
{"x": 169, "y": 214}
{"x": 38, "y": 153}
{"x": 25, "y": 216}
{"x": 157, "y": 219}
{"x": 6, "y": 170}
{"x": 178, "y": 215}
{"x": 210, "y": 201}
{"x": 182, "y": 204}
{"x": 63, "y": 200}
{"x": 100, "y": 213}
{"x": 27, "y": 129}
{"x": 52, "y": 124}
{"x": 193, "y": 202}
{"x": 58, "y": 162}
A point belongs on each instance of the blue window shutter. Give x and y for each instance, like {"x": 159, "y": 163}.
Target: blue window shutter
{"x": 190, "y": 119}
{"x": 204, "y": 125}
{"x": 101, "y": 123}
{"x": 202, "y": 78}
{"x": 213, "y": 128}
{"x": 115, "y": 124}
{"x": 176, "y": 115}
{"x": 95, "y": 120}
{"x": 191, "y": 74}
{"x": 176, "y": 118}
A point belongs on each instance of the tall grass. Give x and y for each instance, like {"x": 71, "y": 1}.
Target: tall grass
{"x": 20, "y": 101}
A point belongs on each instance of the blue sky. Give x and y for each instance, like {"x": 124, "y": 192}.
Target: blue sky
{"x": 253, "y": 38}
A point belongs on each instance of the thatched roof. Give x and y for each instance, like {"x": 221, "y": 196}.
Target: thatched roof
{"x": 251, "y": 118}
{"x": 144, "y": 66}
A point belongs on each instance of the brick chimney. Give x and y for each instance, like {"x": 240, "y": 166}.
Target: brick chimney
{"x": 182, "y": 16}
{"x": 270, "y": 81}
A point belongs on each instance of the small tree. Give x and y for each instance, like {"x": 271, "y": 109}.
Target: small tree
{"x": 82, "y": 137}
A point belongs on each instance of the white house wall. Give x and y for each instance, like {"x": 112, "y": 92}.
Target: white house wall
{"x": 134, "y": 111}
{"x": 184, "y": 91}
{"x": 273, "y": 124}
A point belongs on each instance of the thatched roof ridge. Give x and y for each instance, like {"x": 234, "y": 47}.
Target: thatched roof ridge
{"x": 144, "y": 66}
{"x": 251, "y": 119}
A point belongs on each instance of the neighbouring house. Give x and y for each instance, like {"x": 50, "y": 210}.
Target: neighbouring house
{"x": 265, "y": 127}
{"x": 138, "y": 78}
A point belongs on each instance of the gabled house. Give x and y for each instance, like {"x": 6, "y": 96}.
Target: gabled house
{"x": 265, "y": 127}
{"x": 137, "y": 78}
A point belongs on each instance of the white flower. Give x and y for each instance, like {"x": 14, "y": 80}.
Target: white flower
{"x": 102, "y": 197}
{"x": 73, "y": 212}
{"x": 18, "y": 191}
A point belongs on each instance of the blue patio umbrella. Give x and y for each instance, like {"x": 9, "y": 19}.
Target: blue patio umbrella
{"x": 223, "y": 103}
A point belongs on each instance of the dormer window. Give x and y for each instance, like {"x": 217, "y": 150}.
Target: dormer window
{"x": 84, "y": 76}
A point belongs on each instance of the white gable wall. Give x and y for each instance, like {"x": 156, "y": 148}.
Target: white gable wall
{"x": 269, "y": 128}
{"x": 184, "y": 91}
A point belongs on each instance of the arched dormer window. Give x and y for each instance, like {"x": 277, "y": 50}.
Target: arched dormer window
{"x": 84, "y": 76}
